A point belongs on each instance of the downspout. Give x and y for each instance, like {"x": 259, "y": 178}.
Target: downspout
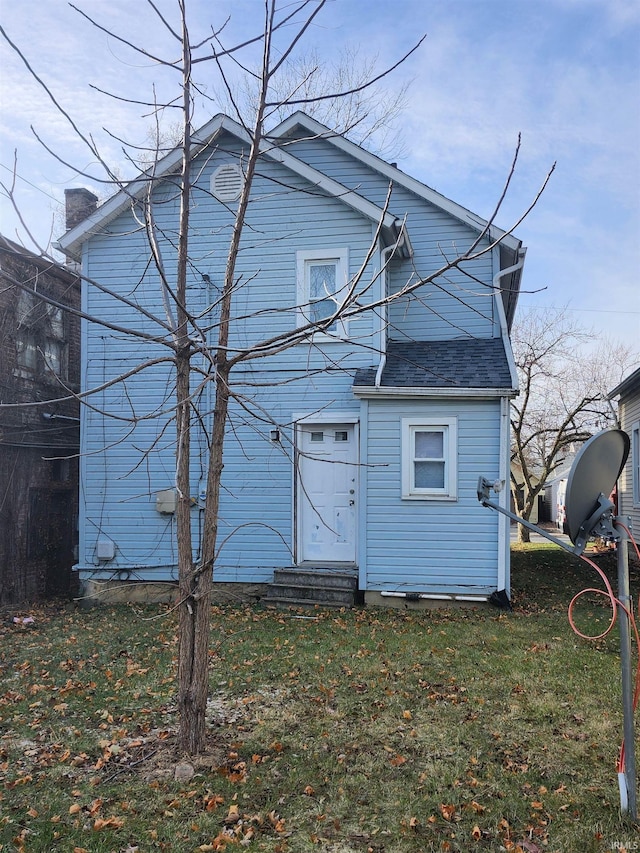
{"x": 504, "y": 533}
{"x": 385, "y": 255}
{"x": 503, "y": 579}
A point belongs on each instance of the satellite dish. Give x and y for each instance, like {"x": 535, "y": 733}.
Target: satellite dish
{"x": 594, "y": 474}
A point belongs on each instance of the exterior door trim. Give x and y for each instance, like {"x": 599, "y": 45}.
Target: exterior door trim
{"x": 327, "y": 416}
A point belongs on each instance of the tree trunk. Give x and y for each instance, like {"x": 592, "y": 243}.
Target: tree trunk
{"x": 524, "y": 534}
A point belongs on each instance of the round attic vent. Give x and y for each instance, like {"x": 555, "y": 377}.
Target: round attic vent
{"x": 226, "y": 182}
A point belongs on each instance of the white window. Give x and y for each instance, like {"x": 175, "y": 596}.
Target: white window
{"x": 429, "y": 459}
{"x": 322, "y": 288}
{"x": 635, "y": 462}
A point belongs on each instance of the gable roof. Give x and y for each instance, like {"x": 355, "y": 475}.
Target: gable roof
{"x": 71, "y": 242}
{"x": 511, "y": 251}
{"x": 440, "y": 367}
{"x": 316, "y": 129}
{"x": 629, "y": 385}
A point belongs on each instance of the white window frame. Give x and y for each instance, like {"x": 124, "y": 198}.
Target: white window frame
{"x": 635, "y": 463}
{"x": 304, "y": 259}
{"x": 449, "y": 428}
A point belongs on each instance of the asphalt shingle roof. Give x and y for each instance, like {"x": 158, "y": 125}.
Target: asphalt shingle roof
{"x": 465, "y": 363}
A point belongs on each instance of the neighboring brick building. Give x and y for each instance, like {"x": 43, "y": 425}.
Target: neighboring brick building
{"x": 39, "y": 363}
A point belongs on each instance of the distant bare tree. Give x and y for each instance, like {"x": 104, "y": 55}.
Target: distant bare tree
{"x": 367, "y": 114}
{"x": 564, "y": 382}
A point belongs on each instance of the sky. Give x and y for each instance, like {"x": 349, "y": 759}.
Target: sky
{"x": 562, "y": 74}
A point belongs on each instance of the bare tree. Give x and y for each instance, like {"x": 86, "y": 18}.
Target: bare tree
{"x": 367, "y": 114}
{"x": 184, "y": 336}
{"x": 564, "y": 381}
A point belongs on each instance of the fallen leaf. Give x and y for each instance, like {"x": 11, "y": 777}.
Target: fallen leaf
{"x": 447, "y": 811}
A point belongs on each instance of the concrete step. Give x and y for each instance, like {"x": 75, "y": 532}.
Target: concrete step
{"x": 316, "y": 578}
{"x": 294, "y": 587}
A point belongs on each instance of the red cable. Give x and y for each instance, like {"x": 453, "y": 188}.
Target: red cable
{"x": 615, "y": 603}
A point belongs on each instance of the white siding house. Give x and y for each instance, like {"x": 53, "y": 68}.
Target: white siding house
{"x": 628, "y": 394}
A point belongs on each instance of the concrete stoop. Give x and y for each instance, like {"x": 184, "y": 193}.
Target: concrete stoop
{"x": 319, "y": 587}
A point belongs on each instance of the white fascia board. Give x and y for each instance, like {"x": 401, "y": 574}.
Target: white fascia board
{"x": 339, "y": 191}
{"x": 71, "y": 241}
{"x": 369, "y": 392}
{"x": 315, "y": 128}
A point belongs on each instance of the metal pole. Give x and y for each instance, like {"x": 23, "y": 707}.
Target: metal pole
{"x": 628, "y": 777}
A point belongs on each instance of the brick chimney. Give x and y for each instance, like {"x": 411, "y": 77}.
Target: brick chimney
{"x": 78, "y": 204}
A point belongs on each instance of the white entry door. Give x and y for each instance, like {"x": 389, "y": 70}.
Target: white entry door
{"x": 327, "y": 487}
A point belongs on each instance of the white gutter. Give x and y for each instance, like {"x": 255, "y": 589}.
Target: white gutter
{"x": 503, "y": 523}
{"x": 433, "y": 596}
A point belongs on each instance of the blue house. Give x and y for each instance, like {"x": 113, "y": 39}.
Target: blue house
{"x": 356, "y": 452}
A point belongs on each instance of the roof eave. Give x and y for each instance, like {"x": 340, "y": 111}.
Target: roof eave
{"x": 628, "y": 385}
{"x": 364, "y": 392}
{"x": 71, "y": 242}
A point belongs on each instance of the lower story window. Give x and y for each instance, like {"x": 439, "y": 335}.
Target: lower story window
{"x": 429, "y": 459}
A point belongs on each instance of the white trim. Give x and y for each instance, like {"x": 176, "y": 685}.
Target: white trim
{"x": 449, "y": 429}
{"x": 325, "y": 416}
{"x": 304, "y": 257}
{"x": 635, "y": 464}
{"x": 135, "y": 189}
{"x": 364, "y": 392}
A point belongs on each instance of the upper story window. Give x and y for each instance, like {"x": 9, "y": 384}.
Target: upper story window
{"x": 41, "y": 346}
{"x": 322, "y": 287}
{"x": 429, "y": 459}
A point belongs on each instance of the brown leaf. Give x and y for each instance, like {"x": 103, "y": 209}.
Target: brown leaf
{"x": 447, "y": 811}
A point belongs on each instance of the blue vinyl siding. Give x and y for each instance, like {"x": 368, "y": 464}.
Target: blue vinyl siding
{"x": 431, "y": 545}
{"x": 126, "y": 463}
{"x": 128, "y": 437}
{"x": 452, "y": 306}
